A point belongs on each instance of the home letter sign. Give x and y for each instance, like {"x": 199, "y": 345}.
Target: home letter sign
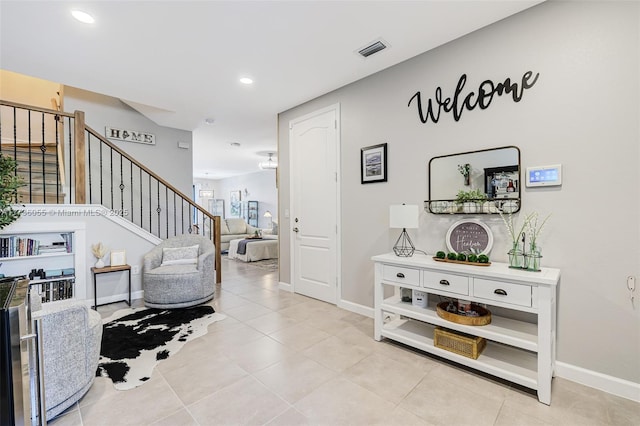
{"x": 460, "y": 102}
{"x": 130, "y": 135}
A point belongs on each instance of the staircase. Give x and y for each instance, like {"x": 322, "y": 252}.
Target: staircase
{"x": 41, "y": 169}
{"x": 63, "y": 161}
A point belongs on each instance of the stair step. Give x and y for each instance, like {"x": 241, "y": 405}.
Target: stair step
{"x": 37, "y": 197}
{"x": 35, "y": 157}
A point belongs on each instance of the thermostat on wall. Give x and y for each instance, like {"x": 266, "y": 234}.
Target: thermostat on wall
{"x": 544, "y": 175}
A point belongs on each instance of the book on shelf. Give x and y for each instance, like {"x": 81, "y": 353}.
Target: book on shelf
{"x": 55, "y": 290}
{"x": 15, "y": 246}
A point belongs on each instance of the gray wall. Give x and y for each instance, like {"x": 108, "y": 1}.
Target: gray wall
{"x": 583, "y": 112}
{"x": 173, "y": 164}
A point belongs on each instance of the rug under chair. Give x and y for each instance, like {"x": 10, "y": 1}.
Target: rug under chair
{"x": 135, "y": 340}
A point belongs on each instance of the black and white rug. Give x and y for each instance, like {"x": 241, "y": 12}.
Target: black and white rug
{"x": 135, "y": 340}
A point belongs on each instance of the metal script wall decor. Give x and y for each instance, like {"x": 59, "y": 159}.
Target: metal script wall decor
{"x": 130, "y": 135}
{"x": 482, "y": 98}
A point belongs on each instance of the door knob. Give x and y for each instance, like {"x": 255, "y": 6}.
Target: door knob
{"x": 296, "y": 229}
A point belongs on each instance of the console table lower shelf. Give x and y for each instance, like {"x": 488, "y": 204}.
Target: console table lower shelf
{"x": 513, "y": 364}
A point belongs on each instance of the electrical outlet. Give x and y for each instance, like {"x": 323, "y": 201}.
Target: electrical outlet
{"x": 135, "y": 269}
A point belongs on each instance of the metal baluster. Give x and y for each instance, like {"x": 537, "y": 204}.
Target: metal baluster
{"x": 89, "y": 152}
{"x": 175, "y": 226}
{"x": 131, "y": 186}
{"x": 100, "y": 145}
{"x": 57, "y": 120}
{"x": 121, "y": 189}
{"x": 111, "y": 175}
{"x": 43, "y": 148}
{"x": 141, "y": 206}
{"x": 72, "y": 193}
{"x": 150, "y": 221}
{"x": 30, "y": 162}
{"x": 158, "y": 209}
{"x": 166, "y": 208}
{"x": 190, "y": 229}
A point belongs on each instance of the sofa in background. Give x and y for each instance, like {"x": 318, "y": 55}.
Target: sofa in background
{"x": 71, "y": 337}
{"x": 234, "y": 229}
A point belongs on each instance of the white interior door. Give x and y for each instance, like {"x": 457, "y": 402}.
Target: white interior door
{"x": 314, "y": 151}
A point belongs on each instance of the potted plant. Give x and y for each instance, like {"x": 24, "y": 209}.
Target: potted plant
{"x": 465, "y": 170}
{"x": 9, "y": 184}
{"x": 471, "y": 200}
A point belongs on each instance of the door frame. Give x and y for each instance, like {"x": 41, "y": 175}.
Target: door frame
{"x": 334, "y": 107}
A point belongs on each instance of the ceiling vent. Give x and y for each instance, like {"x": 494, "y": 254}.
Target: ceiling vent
{"x": 372, "y": 48}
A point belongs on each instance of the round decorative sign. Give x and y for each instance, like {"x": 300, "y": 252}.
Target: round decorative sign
{"x": 469, "y": 236}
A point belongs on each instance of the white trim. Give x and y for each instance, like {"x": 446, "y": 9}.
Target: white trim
{"x": 603, "y": 382}
{"x": 356, "y": 308}
{"x": 96, "y": 209}
{"x": 285, "y": 287}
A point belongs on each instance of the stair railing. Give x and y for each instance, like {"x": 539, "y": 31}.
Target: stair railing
{"x": 101, "y": 173}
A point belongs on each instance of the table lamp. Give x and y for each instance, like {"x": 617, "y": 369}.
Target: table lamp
{"x": 403, "y": 216}
{"x": 268, "y": 214}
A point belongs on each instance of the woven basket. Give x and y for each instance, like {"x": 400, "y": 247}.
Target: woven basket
{"x": 462, "y": 344}
{"x": 483, "y": 319}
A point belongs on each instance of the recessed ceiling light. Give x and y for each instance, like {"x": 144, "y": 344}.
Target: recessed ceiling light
{"x": 235, "y": 144}
{"x": 209, "y": 120}
{"x": 246, "y": 80}
{"x": 83, "y": 17}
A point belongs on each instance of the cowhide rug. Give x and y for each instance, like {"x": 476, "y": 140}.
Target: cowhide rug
{"x": 135, "y": 340}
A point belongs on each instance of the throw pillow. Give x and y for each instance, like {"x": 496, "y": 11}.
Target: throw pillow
{"x": 179, "y": 255}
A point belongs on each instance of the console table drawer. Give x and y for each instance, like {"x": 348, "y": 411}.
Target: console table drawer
{"x": 514, "y": 294}
{"x": 447, "y": 282}
{"x": 397, "y": 274}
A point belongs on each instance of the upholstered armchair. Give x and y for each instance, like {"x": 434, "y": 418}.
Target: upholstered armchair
{"x": 71, "y": 334}
{"x": 179, "y": 272}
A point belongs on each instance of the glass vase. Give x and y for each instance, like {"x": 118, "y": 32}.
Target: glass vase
{"x": 516, "y": 257}
{"x": 532, "y": 259}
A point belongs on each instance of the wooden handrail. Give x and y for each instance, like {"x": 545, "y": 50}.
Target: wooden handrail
{"x": 215, "y": 219}
{"x": 33, "y": 108}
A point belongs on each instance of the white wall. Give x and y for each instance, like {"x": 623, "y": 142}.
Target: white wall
{"x": 173, "y": 164}
{"x": 582, "y": 112}
{"x": 260, "y": 185}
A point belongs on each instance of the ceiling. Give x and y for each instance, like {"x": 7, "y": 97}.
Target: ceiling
{"x": 179, "y": 62}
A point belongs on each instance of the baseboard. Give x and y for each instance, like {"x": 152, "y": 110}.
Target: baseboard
{"x": 603, "y": 382}
{"x": 285, "y": 287}
{"x": 356, "y": 308}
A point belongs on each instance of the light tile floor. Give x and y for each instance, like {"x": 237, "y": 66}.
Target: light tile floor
{"x": 284, "y": 359}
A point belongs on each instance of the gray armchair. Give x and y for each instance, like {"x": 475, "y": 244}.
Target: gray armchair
{"x": 174, "y": 276}
{"x": 71, "y": 335}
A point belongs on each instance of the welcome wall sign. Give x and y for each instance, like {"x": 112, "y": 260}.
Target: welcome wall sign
{"x": 459, "y": 102}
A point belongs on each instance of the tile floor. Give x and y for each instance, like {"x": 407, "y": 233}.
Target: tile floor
{"x": 284, "y": 359}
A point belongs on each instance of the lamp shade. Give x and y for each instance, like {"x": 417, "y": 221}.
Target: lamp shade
{"x": 403, "y": 216}
{"x": 267, "y": 214}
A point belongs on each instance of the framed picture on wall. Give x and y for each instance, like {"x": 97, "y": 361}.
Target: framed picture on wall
{"x": 235, "y": 208}
{"x": 373, "y": 163}
{"x": 216, "y": 207}
{"x": 118, "y": 257}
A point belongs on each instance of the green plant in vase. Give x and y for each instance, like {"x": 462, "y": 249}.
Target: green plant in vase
{"x": 516, "y": 255}
{"x": 471, "y": 201}
{"x": 532, "y": 258}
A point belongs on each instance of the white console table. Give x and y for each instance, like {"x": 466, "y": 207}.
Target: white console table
{"x": 520, "y": 351}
